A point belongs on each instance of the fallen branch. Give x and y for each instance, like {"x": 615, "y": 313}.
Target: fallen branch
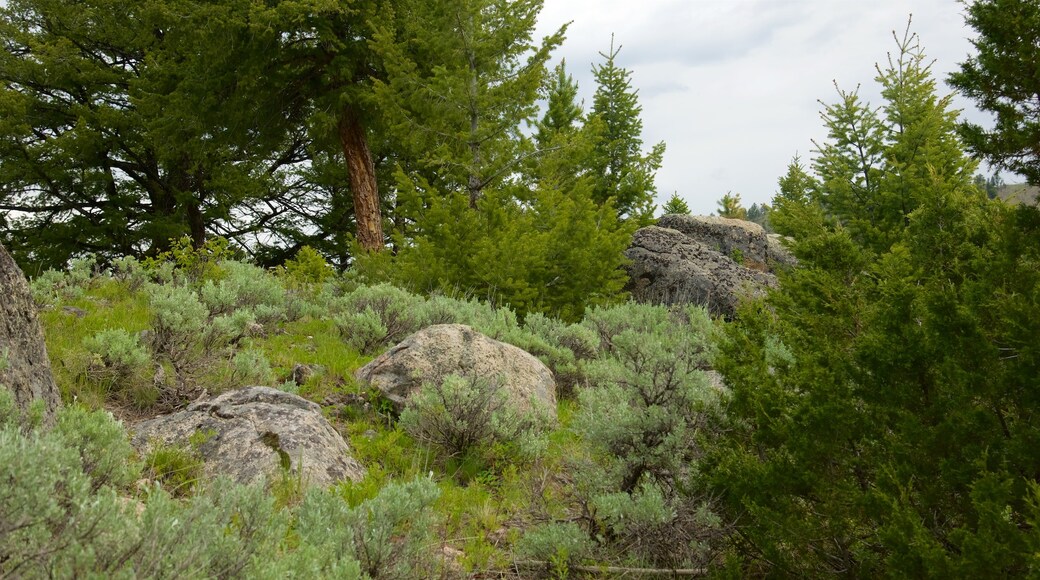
{"x": 619, "y": 569}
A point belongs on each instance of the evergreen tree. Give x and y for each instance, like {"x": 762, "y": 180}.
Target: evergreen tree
{"x": 882, "y": 399}
{"x": 622, "y": 171}
{"x": 462, "y": 79}
{"x": 675, "y": 205}
{"x": 760, "y": 215}
{"x": 1002, "y": 78}
{"x": 563, "y": 113}
{"x": 730, "y": 207}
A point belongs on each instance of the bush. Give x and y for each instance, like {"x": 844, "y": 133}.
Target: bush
{"x": 640, "y": 417}
{"x": 362, "y": 331}
{"x": 308, "y": 267}
{"x": 244, "y": 287}
{"x": 178, "y": 321}
{"x": 390, "y": 535}
{"x": 117, "y": 356}
{"x": 250, "y": 367}
{"x": 382, "y": 309}
{"x": 559, "y": 544}
{"x": 521, "y": 254}
{"x": 464, "y": 414}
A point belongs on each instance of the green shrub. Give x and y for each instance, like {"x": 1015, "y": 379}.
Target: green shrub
{"x": 463, "y": 414}
{"x": 559, "y": 544}
{"x": 390, "y": 535}
{"x": 193, "y": 264}
{"x": 308, "y": 267}
{"x": 117, "y": 356}
{"x": 362, "y": 331}
{"x": 178, "y": 320}
{"x": 250, "y": 367}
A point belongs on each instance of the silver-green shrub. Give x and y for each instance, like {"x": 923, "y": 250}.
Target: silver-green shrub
{"x": 244, "y": 287}
{"x": 560, "y": 544}
{"x": 65, "y": 512}
{"x": 389, "y": 536}
{"x": 251, "y": 367}
{"x": 116, "y": 355}
{"x": 369, "y": 309}
{"x": 462, "y": 414}
{"x": 647, "y": 399}
{"x": 52, "y": 285}
{"x": 362, "y": 331}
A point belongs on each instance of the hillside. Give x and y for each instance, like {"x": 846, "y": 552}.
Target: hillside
{"x": 1019, "y": 193}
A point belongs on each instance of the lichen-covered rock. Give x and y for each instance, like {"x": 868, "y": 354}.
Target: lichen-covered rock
{"x": 25, "y": 368}
{"x": 669, "y": 267}
{"x": 455, "y": 349}
{"x": 251, "y": 434}
{"x": 732, "y": 237}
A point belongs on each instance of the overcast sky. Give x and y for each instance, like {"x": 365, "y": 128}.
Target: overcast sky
{"x": 731, "y": 86}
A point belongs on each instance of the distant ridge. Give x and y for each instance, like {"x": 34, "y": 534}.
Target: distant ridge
{"x": 1019, "y": 193}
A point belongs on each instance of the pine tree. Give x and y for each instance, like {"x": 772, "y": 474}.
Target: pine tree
{"x": 563, "y": 112}
{"x": 622, "y": 171}
{"x": 1002, "y": 79}
{"x": 730, "y": 207}
{"x": 675, "y": 205}
{"x": 462, "y": 79}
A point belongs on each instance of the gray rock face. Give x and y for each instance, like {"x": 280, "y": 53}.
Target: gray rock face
{"x": 252, "y": 433}
{"x": 670, "y": 267}
{"x": 455, "y": 349}
{"x": 27, "y": 370}
{"x": 729, "y": 236}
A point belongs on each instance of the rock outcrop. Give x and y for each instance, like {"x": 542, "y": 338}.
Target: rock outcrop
{"x": 253, "y": 433}
{"x": 25, "y": 368}
{"x": 711, "y": 261}
{"x": 731, "y": 237}
{"x": 455, "y": 349}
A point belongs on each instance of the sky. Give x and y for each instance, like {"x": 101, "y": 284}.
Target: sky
{"x": 733, "y": 86}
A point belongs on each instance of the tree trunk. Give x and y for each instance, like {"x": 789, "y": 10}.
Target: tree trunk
{"x": 362, "y": 181}
{"x": 25, "y": 368}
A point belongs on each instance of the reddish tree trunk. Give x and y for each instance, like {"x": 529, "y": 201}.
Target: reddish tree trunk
{"x": 362, "y": 182}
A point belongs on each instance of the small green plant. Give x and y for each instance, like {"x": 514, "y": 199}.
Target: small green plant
{"x": 737, "y": 255}
{"x": 194, "y": 264}
{"x": 177, "y": 469}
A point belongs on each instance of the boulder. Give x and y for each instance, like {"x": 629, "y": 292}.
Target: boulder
{"x": 455, "y": 349}
{"x": 252, "y": 433}
{"x": 732, "y": 237}
{"x": 669, "y": 267}
{"x": 25, "y": 368}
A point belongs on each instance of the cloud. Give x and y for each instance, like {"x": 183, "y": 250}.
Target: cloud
{"x": 732, "y": 86}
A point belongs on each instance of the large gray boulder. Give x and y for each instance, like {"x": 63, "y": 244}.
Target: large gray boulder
{"x": 251, "y": 434}
{"x": 455, "y": 349}
{"x": 669, "y": 267}
{"x": 25, "y": 368}
{"x": 731, "y": 237}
